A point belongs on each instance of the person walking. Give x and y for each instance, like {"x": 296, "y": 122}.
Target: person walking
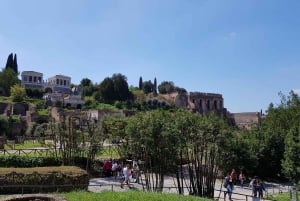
{"x": 126, "y": 174}
{"x": 242, "y": 178}
{"x": 234, "y": 176}
{"x": 261, "y": 189}
{"x": 254, "y": 185}
{"x": 228, "y": 184}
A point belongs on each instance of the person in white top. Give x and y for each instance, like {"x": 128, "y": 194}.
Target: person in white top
{"x": 126, "y": 174}
{"x": 114, "y": 169}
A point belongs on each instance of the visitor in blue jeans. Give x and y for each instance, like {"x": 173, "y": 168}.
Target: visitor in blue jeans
{"x": 229, "y": 186}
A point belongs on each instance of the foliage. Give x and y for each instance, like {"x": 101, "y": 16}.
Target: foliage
{"x": 148, "y": 87}
{"x": 43, "y": 112}
{"x": 18, "y": 93}
{"x": 4, "y": 126}
{"x": 5, "y": 99}
{"x": 112, "y": 89}
{"x": 8, "y": 78}
{"x": 102, "y": 106}
{"x": 39, "y": 103}
{"x": 12, "y": 63}
{"x": 129, "y": 195}
{"x": 106, "y": 90}
{"x": 271, "y": 150}
{"x": 155, "y": 86}
{"x": 55, "y": 176}
{"x": 174, "y": 138}
{"x": 279, "y": 197}
{"x": 35, "y": 93}
{"x": 166, "y": 87}
{"x": 21, "y": 161}
{"x": 87, "y": 87}
{"x": 76, "y": 135}
{"x": 291, "y": 161}
{"x": 141, "y": 83}
{"x": 121, "y": 87}
{"x": 28, "y": 144}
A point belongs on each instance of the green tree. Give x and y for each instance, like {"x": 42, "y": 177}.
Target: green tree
{"x": 166, "y": 87}
{"x": 147, "y": 87}
{"x": 271, "y": 136}
{"x": 87, "y": 87}
{"x": 12, "y": 63}
{"x": 18, "y": 93}
{"x": 35, "y": 93}
{"x": 121, "y": 89}
{"x": 150, "y": 140}
{"x": 107, "y": 90}
{"x": 155, "y": 87}
{"x": 141, "y": 83}
{"x": 291, "y": 161}
{"x": 8, "y": 78}
{"x": 3, "y": 125}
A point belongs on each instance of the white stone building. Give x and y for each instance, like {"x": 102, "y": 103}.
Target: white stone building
{"x": 32, "y": 79}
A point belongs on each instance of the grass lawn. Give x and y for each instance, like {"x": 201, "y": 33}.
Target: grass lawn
{"x": 280, "y": 197}
{"x": 108, "y": 152}
{"x": 128, "y": 196}
{"x": 26, "y": 145}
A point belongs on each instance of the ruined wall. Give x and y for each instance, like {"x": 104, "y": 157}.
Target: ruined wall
{"x": 13, "y": 108}
{"x": 246, "y": 120}
{"x": 20, "y": 109}
{"x": 3, "y": 107}
{"x": 203, "y": 103}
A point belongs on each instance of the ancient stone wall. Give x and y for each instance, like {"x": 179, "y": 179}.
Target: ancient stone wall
{"x": 203, "y": 103}
{"x": 3, "y": 107}
{"x": 20, "y": 109}
{"x": 246, "y": 120}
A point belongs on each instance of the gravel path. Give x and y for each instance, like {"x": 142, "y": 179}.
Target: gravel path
{"x": 239, "y": 193}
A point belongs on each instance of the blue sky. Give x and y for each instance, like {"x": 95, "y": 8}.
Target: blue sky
{"x": 246, "y": 50}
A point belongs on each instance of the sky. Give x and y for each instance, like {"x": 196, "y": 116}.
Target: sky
{"x": 246, "y": 50}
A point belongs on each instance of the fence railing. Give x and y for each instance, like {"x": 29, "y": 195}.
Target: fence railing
{"x": 27, "y": 152}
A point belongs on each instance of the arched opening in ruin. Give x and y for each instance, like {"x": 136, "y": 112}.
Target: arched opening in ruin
{"x": 48, "y": 90}
{"x": 208, "y": 105}
{"x": 215, "y": 105}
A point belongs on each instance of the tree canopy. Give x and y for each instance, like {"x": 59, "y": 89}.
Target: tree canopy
{"x": 8, "y": 78}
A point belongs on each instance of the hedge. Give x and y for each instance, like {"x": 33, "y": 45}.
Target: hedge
{"x": 42, "y": 179}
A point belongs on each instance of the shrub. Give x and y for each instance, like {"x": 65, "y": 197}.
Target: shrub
{"x": 43, "y": 179}
{"x": 28, "y": 161}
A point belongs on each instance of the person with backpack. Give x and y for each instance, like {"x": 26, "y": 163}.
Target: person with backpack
{"x": 261, "y": 188}
{"x": 254, "y": 184}
{"x": 228, "y": 184}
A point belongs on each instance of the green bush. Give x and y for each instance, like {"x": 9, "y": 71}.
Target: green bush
{"x": 28, "y": 161}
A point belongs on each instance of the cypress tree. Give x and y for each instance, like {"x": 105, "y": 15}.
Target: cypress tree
{"x": 141, "y": 84}
{"x": 10, "y": 61}
{"x": 15, "y": 64}
{"x": 155, "y": 87}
